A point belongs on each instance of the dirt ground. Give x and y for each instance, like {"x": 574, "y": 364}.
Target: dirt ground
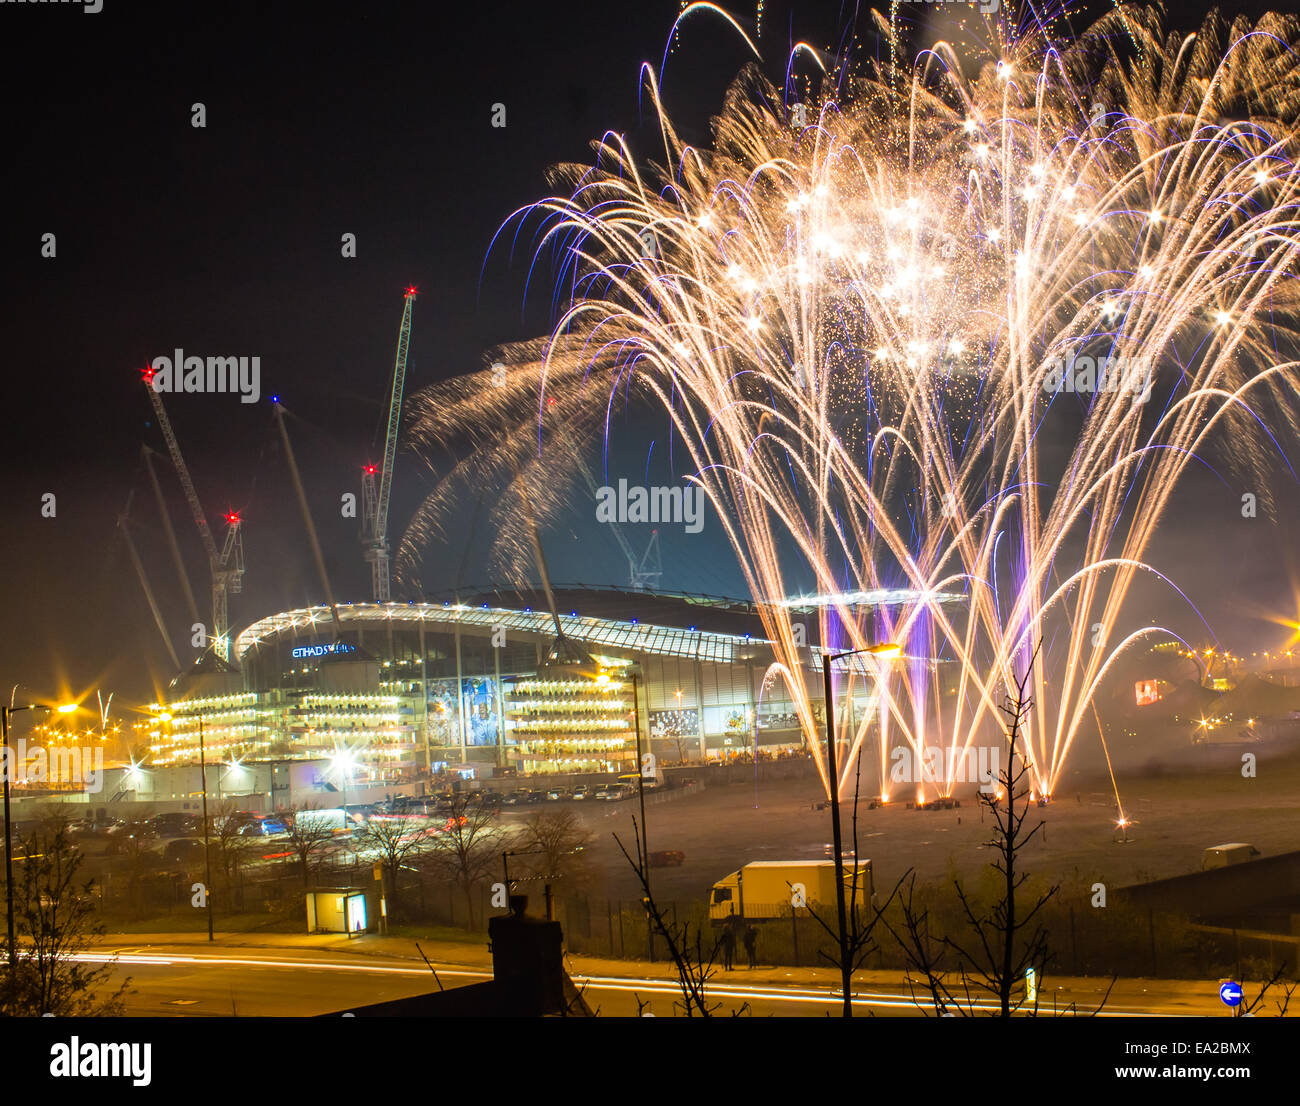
{"x": 1178, "y": 808}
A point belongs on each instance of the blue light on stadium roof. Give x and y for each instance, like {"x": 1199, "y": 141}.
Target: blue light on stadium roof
{"x": 880, "y": 597}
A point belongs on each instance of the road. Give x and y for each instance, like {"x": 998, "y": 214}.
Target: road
{"x": 183, "y": 980}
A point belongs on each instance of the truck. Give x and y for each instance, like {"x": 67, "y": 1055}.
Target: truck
{"x": 1223, "y": 856}
{"x": 334, "y": 819}
{"x": 766, "y": 889}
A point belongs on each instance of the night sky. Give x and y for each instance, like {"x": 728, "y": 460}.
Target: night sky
{"x": 370, "y": 119}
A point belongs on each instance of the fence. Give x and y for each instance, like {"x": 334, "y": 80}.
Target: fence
{"x": 1126, "y": 938}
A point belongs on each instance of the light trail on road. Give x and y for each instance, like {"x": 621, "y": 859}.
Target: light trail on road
{"x": 793, "y": 994}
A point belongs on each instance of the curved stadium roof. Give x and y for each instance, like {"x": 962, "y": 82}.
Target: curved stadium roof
{"x": 698, "y": 627}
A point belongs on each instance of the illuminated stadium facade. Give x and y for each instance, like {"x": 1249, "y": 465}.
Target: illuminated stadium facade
{"x": 401, "y": 689}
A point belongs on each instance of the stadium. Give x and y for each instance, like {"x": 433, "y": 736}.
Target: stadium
{"x": 491, "y": 681}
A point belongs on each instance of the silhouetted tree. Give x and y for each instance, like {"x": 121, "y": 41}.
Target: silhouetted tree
{"x": 397, "y": 841}
{"x": 54, "y": 918}
{"x": 558, "y": 841}
{"x": 468, "y": 847}
{"x": 307, "y": 837}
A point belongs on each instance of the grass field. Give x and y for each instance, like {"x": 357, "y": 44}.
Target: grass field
{"x": 1178, "y": 808}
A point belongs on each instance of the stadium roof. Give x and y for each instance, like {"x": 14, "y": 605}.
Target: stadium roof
{"x": 673, "y": 624}
{"x": 590, "y": 631}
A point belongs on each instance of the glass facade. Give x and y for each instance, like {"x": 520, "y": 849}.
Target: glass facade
{"x": 406, "y": 687}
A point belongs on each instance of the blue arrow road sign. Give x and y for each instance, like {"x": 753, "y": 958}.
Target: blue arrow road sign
{"x": 1230, "y": 993}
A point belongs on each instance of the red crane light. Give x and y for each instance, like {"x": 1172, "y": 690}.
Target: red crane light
{"x": 233, "y": 518}
{"x": 370, "y": 470}
{"x": 412, "y": 290}
{"x": 147, "y": 374}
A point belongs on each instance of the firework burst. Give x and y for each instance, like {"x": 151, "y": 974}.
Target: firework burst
{"x": 860, "y": 330}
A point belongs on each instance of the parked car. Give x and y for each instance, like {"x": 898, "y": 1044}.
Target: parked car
{"x": 617, "y": 791}
{"x": 264, "y": 825}
{"x": 174, "y": 824}
{"x": 555, "y": 794}
{"x": 533, "y": 796}
{"x": 130, "y": 835}
{"x": 184, "y": 850}
{"x": 580, "y": 792}
{"x": 667, "y": 858}
{"x": 236, "y": 820}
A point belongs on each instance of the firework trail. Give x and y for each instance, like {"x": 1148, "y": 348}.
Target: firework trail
{"x": 865, "y": 329}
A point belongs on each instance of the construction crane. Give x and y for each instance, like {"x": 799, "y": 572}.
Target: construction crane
{"x": 642, "y": 572}
{"x": 227, "y": 563}
{"x": 312, "y": 536}
{"x": 190, "y": 603}
{"x": 647, "y": 572}
{"x": 122, "y": 524}
{"x": 374, "y": 499}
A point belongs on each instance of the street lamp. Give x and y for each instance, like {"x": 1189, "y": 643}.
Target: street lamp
{"x": 9, "y": 758}
{"x": 207, "y": 850}
{"x": 632, "y": 672}
{"x": 343, "y": 761}
{"x": 884, "y": 649}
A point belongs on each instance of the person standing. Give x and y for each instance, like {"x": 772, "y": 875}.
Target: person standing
{"x": 729, "y": 943}
{"x": 751, "y": 945}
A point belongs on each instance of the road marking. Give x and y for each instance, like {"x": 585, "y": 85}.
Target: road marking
{"x": 795, "y": 994}
{"x": 254, "y": 962}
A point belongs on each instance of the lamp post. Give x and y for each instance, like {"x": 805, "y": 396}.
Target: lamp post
{"x": 889, "y": 649}
{"x": 344, "y": 762}
{"x": 640, "y": 770}
{"x": 644, "y": 857}
{"x": 207, "y": 852}
{"x": 9, "y": 760}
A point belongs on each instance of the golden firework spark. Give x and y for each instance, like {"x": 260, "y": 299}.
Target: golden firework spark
{"x": 965, "y": 329}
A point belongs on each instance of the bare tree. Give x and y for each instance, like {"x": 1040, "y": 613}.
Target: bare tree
{"x": 396, "y": 841}
{"x": 1277, "y": 979}
{"x": 862, "y": 913}
{"x": 136, "y": 847}
{"x": 230, "y": 849}
{"x": 558, "y": 841}
{"x": 54, "y": 912}
{"x": 307, "y": 837}
{"x": 1006, "y": 942}
{"x": 468, "y": 846}
{"x": 694, "y": 966}
{"x": 923, "y": 952}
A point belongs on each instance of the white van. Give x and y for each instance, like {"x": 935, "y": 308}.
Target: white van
{"x": 1223, "y": 856}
